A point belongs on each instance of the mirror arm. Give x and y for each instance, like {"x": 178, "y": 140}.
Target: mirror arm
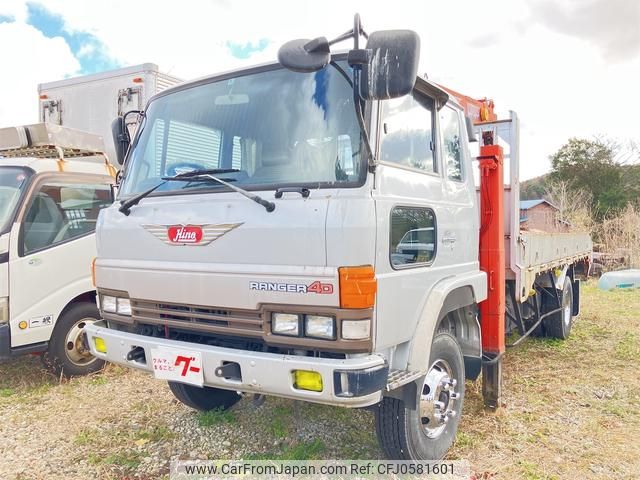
{"x": 360, "y": 117}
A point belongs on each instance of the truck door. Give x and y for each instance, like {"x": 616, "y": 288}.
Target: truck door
{"x": 51, "y": 251}
{"x": 459, "y": 241}
{"x": 411, "y": 215}
{"x": 51, "y": 111}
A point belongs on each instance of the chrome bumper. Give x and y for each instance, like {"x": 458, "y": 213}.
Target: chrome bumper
{"x": 353, "y": 382}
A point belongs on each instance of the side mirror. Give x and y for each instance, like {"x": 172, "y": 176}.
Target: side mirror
{"x": 121, "y": 138}
{"x": 392, "y": 67}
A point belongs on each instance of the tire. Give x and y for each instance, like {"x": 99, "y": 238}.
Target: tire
{"x": 402, "y": 432}
{"x": 559, "y": 324}
{"x": 203, "y": 398}
{"x": 68, "y": 353}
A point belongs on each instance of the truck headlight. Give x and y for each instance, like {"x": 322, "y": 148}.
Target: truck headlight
{"x": 109, "y": 303}
{"x": 356, "y": 329}
{"x": 123, "y": 306}
{"x": 319, "y": 326}
{"x": 4, "y": 310}
{"x": 285, "y": 324}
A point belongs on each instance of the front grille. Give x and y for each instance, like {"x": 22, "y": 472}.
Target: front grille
{"x": 195, "y": 317}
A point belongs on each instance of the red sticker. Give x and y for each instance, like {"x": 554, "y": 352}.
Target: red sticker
{"x": 184, "y": 234}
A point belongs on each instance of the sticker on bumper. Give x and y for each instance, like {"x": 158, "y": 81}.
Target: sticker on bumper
{"x": 177, "y": 365}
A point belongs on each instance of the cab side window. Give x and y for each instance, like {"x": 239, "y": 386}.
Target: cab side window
{"x": 451, "y": 146}
{"x": 60, "y": 212}
{"x": 413, "y": 236}
{"x": 406, "y": 136}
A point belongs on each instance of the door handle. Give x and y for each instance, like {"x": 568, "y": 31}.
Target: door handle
{"x": 449, "y": 238}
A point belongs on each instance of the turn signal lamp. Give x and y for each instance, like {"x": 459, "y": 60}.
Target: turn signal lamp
{"x": 358, "y": 286}
{"x": 101, "y": 346}
{"x": 307, "y": 380}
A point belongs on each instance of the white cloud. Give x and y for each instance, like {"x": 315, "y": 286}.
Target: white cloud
{"x": 29, "y": 58}
{"x": 558, "y": 81}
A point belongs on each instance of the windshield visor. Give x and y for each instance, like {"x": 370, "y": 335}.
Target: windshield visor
{"x": 276, "y": 127}
{"x": 13, "y": 181}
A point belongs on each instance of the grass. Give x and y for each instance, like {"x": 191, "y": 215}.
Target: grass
{"x": 127, "y": 459}
{"x": 279, "y": 426}
{"x": 573, "y": 406}
{"x": 298, "y": 451}
{"x": 571, "y": 409}
{"x": 628, "y": 348}
{"x": 216, "y": 416}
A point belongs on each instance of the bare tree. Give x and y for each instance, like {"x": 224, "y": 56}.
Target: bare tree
{"x": 574, "y": 206}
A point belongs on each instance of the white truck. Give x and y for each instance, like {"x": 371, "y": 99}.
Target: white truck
{"x": 269, "y": 214}
{"x": 53, "y": 183}
{"x": 91, "y": 102}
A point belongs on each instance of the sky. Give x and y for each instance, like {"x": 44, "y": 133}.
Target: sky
{"x": 569, "y": 68}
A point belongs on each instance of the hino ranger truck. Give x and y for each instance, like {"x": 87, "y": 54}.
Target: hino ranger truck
{"x": 311, "y": 229}
{"x": 53, "y": 182}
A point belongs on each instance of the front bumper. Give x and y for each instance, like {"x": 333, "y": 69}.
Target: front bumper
{"x": 354, "y": 382}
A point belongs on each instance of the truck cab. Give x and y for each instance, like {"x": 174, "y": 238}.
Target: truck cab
{"x": 53, "y": 183}
{"x": 310, "y": 229}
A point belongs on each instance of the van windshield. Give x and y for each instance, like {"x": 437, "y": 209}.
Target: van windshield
{"x": 272, "y": 128}
{"x": 13, "y": 180}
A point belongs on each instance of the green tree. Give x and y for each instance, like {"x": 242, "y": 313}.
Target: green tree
{"x": 589, "y": 165}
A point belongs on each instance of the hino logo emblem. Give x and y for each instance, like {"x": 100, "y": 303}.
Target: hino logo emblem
{"x": 198, "y": 235}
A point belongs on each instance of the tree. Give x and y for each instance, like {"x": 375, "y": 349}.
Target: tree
{"x": 589, "y": 165}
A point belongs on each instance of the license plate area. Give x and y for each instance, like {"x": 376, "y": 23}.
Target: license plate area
{"x": 177, "y": 365}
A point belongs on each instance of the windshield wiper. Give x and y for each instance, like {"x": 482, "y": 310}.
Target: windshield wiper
{"x": 125, "y": 205}
{"x": 201, "y": 175}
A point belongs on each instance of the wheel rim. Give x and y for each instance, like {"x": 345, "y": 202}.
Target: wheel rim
{"x": 566, "y": 309}
{"x": 438, "y": 399}
{"x": 76, "y": 346}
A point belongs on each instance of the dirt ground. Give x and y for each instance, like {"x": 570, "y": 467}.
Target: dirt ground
{"x": 571, "y": 410}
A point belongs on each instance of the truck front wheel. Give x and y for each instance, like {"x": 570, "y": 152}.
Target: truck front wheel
{"x": 68, "y": 353}
{"x": 427, "y": 432}
{"x": 559, "y": 324}
{"x": 203, "y": 398}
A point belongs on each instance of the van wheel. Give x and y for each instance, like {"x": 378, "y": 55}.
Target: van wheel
{"x": 68, "y": 354}
{"x": 427, "y": 432}
{"x": 559, "y": 324}
{"x": 203, "y": 398}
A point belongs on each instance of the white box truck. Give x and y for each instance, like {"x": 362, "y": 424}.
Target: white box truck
{"x": 91, "y": 102}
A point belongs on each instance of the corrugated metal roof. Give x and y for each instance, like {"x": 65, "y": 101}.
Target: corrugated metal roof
{"x": 527, "y": 204}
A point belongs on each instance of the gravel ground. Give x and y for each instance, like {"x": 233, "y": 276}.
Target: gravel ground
{"x": 571, "y": 410}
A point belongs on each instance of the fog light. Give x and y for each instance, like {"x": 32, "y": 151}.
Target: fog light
{"x": 356, "y": 329}
{"x": 319, "y": 327}
{"x": 285, "y": 324}
{"x": 124, "y": 306}
{"x": 307, "y": 380}
{"x": 100, "y": 345}
{"x": 108, "y": 303}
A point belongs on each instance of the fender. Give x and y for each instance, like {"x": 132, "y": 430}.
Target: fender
{"x": 435, "y": 307}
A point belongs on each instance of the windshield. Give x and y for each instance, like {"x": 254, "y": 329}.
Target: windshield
{"x": 13, "y": 180}
{"x": 276, "y": 127}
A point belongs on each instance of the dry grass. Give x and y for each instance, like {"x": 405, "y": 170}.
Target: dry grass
{"x": 571, "y": 410}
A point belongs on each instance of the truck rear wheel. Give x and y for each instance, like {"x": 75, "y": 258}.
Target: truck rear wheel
{"x": 559, "y": 324}
{"x": 203, "y": 398}
{"x": 427, "y": 432}
{"x": 68, "y": 353}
